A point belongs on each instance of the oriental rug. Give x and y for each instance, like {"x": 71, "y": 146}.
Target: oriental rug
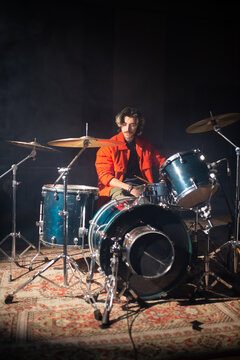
{"x": 44, "y": 321}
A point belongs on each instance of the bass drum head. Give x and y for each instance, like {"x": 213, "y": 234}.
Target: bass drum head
{"x": 170, "y": 236}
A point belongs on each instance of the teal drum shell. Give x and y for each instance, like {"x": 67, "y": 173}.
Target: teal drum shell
{"x": 158, "y": 231}
{"x": 188, "y": 179}
{"x": 81, "y": 207}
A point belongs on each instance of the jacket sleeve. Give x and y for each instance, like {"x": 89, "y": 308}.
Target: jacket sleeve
{"x": 157, "y": 158}
{"x": 104, "y": 165}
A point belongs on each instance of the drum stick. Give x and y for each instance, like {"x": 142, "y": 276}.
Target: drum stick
{"x": 141, "y": 179}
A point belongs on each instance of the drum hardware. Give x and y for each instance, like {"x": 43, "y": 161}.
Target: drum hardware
{"x": 75, "y": 241}
{"x": 182, "y": 161}
{"x": 112, "y": 279}
{"x": 56, "y": 196}
{"x": 14, "y": 235}
{"x": 53, "y": 240}
{"x": 141, "y": 249}
{"x": 68, "y": 261}
{"x": 63, "y": 174}
{"x": 215, "y": 123}
{"x": 209, "y": 123}
{"x": 213, "y": 166}
{"x": 204, "y": 280}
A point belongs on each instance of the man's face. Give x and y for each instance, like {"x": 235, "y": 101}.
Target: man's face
{"x": 129, "y": 128}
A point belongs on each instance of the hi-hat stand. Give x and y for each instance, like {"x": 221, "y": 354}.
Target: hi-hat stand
{"x": 14, "y": 235}
{"x": 234, "y": 243}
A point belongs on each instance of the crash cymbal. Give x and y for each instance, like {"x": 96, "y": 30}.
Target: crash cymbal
{"x": 32, "y": 144}
{"x": 84, "y": 141}
{"x": 209, "y": 123}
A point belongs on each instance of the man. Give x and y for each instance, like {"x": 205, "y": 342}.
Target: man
{"x": 121, "y": 168}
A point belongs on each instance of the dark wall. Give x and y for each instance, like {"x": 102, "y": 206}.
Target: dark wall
{"x": 64, "y": 66}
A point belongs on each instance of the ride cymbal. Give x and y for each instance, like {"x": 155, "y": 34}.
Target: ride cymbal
{"x": 84, "y": 141}
{"x": 32, "y": 144}
{"x": 209, "y": 123}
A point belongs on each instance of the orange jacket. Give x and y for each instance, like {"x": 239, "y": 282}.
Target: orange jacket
{"x": 111, "y": 162}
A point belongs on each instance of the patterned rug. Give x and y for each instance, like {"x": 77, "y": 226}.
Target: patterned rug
{"x": 44, "y": 321}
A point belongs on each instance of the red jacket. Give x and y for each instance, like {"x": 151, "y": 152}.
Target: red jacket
{"x": 111, "y": 162}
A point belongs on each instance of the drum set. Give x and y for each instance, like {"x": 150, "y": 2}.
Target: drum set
{"x": 141, "y": 245}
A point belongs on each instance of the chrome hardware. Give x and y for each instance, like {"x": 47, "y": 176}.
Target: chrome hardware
{"x": 53, "y": 239}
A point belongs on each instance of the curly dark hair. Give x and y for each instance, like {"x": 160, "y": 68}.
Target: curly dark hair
{"x": 131, "y": 112}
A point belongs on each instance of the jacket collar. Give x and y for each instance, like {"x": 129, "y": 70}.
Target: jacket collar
{"x": 120, "y": 137}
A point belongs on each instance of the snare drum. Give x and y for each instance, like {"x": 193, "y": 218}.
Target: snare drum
{"x": 155, "y": 246}
{"x": 81, "y": 206}
{"x": 157, "y": 193}
{"x": 188, "y": 178}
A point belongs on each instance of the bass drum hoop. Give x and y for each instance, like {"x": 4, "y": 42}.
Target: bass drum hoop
{"x": 159, "y": 218}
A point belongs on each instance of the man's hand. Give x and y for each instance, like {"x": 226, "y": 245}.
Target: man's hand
{"x": 135, "y": 192}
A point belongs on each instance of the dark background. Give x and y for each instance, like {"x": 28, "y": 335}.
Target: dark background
{"x": 62, "y": 66}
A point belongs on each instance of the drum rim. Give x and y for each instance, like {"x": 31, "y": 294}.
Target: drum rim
{"x": 138, "y": 235}
{"x": 97, "y": 216}
{"x": 157, "y": 184}
{"x": 192, "y": 188}
{"x": 176, "y": 155}
{"x": 70, "y": 188}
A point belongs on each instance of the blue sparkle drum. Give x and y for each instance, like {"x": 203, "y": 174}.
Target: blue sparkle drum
{"x": 155, "y": 246}
{"x": 81, "y": 206}
{"x": 188, "y": 178}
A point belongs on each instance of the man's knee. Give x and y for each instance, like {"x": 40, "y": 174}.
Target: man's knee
{"x": 117, "y": 193}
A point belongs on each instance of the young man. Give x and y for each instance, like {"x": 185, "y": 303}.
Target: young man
{"x": 121, "y": 168}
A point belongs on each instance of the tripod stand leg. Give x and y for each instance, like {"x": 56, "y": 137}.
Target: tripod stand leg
{"x": 235, "y": 258}
{"x": 218, "y": 279}
{"x": 207, "y": 268}
{"x": 2, "y": 241}
{"x": 9, "y": 298}
{"x": 205, "y": 285}
{"x": 14, "y": 234}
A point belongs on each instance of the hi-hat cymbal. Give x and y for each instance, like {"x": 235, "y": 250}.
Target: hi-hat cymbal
{"x": 209, "y": 123}
{"x": 32, "y": 144}
{"x": 84, "y": 141}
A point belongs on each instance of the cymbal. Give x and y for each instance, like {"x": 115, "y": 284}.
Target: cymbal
{"x": 84, "y": 141}
{"x": 209, "y": 123}
{"x": 32, "y": 144}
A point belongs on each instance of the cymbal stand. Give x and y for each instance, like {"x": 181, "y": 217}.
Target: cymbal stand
{"x": 14, "y": 234}
{"x": 234, "y": 243}
{"x": 205, "y": 213}
{"x": 68, "y": 261}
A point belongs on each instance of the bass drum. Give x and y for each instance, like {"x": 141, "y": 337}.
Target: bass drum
{"x": 155, "y": 251}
